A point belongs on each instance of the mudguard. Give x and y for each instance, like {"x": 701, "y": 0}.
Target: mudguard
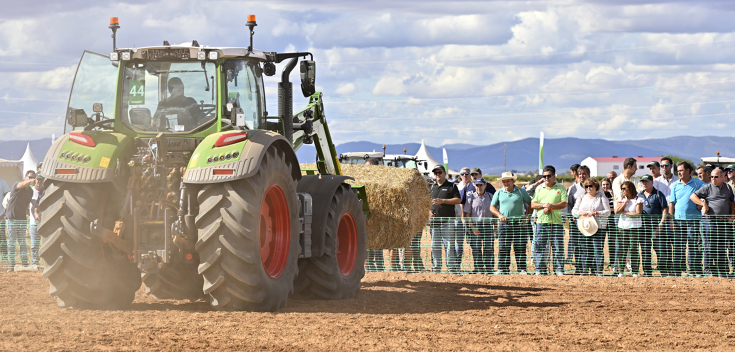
{"x": 73, "y": 162}
{"x": 321, "y": 188}
{"x": 212, "y": 164}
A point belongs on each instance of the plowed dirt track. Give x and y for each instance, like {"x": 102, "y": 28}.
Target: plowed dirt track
{"x": 396, "y": 311}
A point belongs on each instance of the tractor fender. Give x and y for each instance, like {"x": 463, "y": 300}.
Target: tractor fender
{"x": 102, "y": 159}
{"x": 321, "y": 188}
{"x": 250, "y": 154}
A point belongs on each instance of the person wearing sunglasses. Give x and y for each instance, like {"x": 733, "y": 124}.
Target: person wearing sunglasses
{"x": 20, "y": 199}
{"x": 716, "y": 200}
{"x": 444, "y": 196}
{"x": 655, "y": 209}
{"x": 592, "y": 203}
{"x": 465, "y": 186}
{"x": 629, "y": 207}
{"x": 549, "y": 200}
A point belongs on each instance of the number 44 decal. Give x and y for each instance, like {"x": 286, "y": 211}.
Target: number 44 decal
{"x": 136, "y": 96}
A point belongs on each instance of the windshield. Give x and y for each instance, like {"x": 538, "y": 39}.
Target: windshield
{"x": 94, "y": 82}
{"x": 161, "y": 96}
{"x": 401, "y": 163}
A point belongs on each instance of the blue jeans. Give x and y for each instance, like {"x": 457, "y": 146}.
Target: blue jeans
{"x": 549, "y": 234}
{"x": 687, "y": 231}
{"x": 592, "y": 255}
{"x": 443, "y": 233}
{"x": 483, "y": 246}
{"x": 35, "y": 241}
{"x": 512, "y": 233}
{"x": 574, "y": 248}
{"x": 17, "y": 233}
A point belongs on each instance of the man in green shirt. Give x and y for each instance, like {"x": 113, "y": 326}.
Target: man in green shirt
{"x": 507, "y": 205}
{"x": 549, "y": 199}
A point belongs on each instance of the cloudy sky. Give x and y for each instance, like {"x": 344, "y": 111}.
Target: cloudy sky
{"x": 476, "y": 72}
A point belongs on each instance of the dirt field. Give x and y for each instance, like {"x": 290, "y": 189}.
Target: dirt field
{"x": 396, "y": 311}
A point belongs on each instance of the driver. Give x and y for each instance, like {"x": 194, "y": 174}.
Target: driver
{"x": 187, "y": 111}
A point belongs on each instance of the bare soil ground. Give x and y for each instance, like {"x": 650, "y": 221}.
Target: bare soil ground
{"x": 396, "y": 311}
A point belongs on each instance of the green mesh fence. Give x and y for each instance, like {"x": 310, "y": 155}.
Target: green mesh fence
{"x": 19, "y": 244}
{"x": 643, "y": 246}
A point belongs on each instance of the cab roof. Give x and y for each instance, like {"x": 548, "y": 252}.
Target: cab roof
{"x": 224, "y": 52}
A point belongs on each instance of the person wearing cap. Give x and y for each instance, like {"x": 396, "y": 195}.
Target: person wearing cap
{"x": 477, "y": 209}
{"x": 476, "y": 173}
{"x": 444, "y": 196}
{"x": 655, "y": 168}
{"x": 35, "y": 219}
{"x": 655, "y": 209}
{"x": 685, "y": 226}
{"x": 465, "y": 186}
{"x": 576, "y": 190}
{"x": 549, "y": 200}
{"x": 508, "y": 205}
{"x": 717, "y": 201}
{"x": 593, "y": 205}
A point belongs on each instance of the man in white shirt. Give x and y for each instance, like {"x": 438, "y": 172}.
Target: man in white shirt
{"x": 630, "y": 166}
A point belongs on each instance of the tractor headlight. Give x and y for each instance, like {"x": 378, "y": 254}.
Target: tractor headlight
{"x": 114, "y": 57}
{"x": 201, "y": 55}
{"x": 126, "y": 55}
{"x": 213, "y": 55}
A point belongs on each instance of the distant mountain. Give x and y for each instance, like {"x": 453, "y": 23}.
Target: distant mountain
{"x": 522, "y": 155}
{"x": 13, "y": 150}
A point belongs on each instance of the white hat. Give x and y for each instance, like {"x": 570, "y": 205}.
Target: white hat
{"x": 507, "y": 176}
{"x": 587, "y": 225}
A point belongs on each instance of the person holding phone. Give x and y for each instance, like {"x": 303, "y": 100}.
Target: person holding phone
{"x": 20, "y": 200}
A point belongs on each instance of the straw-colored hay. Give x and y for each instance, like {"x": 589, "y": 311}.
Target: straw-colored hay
{"x": 399, "y": 203}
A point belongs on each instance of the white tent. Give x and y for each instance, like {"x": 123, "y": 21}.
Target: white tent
{"x": 423, "y": 154}
{"x": 11, "y": 171}
{"x": 29, "y": 161}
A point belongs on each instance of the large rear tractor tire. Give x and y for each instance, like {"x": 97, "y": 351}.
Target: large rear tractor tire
{"x": 174, "y": 282}
{"x": 337, "y": 274}
{"x": 249, "y": 237}
{"x": 83, "y": 271}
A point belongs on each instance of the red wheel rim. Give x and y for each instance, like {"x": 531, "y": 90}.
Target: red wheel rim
{"x": 347, "y": 250}
{"x": 274, "y": 231}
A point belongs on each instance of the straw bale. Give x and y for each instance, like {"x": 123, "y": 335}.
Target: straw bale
{"x": 399, "y": 202}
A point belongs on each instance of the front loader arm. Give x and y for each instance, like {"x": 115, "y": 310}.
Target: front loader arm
{"x": 327, "y": 160}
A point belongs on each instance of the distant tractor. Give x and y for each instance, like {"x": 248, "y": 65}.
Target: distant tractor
{"x": 391, "y": 160}
{"x": 179, "y": 178}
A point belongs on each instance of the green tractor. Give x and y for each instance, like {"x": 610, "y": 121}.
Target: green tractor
{"x": 180, "y": 179}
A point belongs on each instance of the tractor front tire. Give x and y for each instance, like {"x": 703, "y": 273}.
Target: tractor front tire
{"x": 83, "y": 271}
{"x": 248, "y": 237}
{"x": 337, "y": 274}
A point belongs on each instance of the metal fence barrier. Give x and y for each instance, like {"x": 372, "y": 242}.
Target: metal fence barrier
{"x": 697, "y": 247}
{"x": 644, "y": 246}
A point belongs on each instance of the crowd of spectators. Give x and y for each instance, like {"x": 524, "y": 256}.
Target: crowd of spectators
{"x": 684, "y": 222}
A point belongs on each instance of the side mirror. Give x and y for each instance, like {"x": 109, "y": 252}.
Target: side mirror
{"x": 76, "y": 117}
{"x": 308, "y": 77}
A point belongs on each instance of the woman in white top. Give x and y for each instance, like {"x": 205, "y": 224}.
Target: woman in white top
{"x": 594, "y": 204}
{"x": 630, "y": 208}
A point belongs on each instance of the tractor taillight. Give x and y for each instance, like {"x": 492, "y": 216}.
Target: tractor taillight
{"x": 65, "y": 171}
{"x": 230, "y": 138}
{"x": 223, "y": 172}
{"x": 82, "y": 139}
